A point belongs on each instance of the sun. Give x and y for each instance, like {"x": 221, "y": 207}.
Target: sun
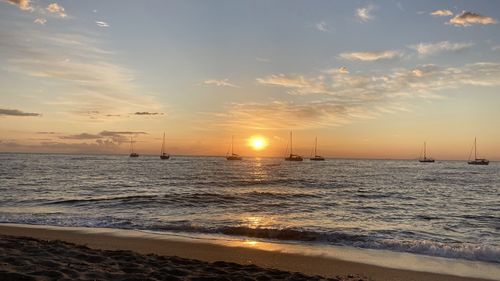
{"x": 257, "y": 142}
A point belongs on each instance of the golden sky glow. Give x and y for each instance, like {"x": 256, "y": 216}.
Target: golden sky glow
{"x": 370, "y": 81}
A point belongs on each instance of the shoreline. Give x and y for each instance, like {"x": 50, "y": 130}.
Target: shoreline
{"x": 324, "y": 261}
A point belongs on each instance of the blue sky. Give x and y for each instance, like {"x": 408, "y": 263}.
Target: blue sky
{"x": 362, "y": 75}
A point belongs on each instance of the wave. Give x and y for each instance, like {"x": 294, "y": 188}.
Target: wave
{"x": 370, "y": 240}
{"x": 97, "y": 199}
{"x": 456, "y": 250}
{"x": 184, "y": 199}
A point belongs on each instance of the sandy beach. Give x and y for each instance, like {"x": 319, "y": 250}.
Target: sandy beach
{"x": 46, "y": 253}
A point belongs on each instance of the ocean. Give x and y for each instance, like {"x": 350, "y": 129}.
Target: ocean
{"x": 445, "y": 209}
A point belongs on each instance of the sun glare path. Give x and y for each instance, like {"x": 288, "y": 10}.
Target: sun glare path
{"x": 257, "y": 142}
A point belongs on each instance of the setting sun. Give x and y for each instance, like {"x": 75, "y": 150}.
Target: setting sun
{"x": 257, "y": 142}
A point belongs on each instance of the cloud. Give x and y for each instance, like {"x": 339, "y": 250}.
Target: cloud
{"x": 340, "y": 70}
{"x": 117, "y": 137}
{"x": 24, "y": 5}
{"x": 56, "y": 9}
{"x": 16, "y": 112}
{"x": 348, "y": 98}
{"x": 495, "y": 48}
{"x": 371, "y": 56}
{"x": 148, "y": 113}
{"x": 262, "y": 59}
{"x": 426, "y": 49}
{"x": 365, "y": 14}
{"x": 219, "y": 83}
{"x": 82, "y": 136}
{"x": 115, "y": 133}
{"x": 77, "y": 72}
{"x": 40, "y": 21}
{"x": 98, "y": 146}
{"x": 46, "y": 133}
{"x": 470, "y": 18}
{"x": 298, "y": 83}
{"x": 322, "y": 26}
{"x": 442, "y": 13}
{"x": 343, "y": 69}
{"x": 102, "y": 24}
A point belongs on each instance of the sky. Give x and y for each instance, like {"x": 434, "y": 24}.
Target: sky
{"x": 369, "y": 79}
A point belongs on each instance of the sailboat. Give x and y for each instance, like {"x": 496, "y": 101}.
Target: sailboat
{"x": 132, "y": 153}
{"x": 477, "y": 161}
{"x": 233, "y": 155}
{"x": 316, "y": 156}
{"x": 425, "y": 159}
{"x": 163, "y": 154}
{"x": 293, "y": 157}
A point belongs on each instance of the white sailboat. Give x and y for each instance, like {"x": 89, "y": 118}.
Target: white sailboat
{"x": 132, "y": 153}
{"x": 316, "y": 156}
{"x": 293, "y": 157}
{"x": 425, "y": 159}
{"x": 477, "y": 161}
{"x": 233, "y": 156}
{"x": 163, "y": 154}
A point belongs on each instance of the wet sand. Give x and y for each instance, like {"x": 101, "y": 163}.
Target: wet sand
{"x": 131, "y": 255}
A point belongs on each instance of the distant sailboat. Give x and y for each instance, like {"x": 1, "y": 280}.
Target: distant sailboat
{"x": 163, "y": 154}
{"x": 293, "y": 157}
{"x": 233, "y": 155}
{"x": 477, "y": 161}
{"x": 316, "y": 156}
{"x": 425, "y": 159}
{"x": 132, "y": 153}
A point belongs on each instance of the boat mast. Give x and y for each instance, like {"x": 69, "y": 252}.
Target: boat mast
{"x": 232, "y": 145}
{"x": 163, "y": 144}
{"x": 291, "y": 143}
{"x": 315, "y": 146}
{"x": 131, "y": 146}
{"x": 425, "y": 154}
{"x": 475, "y": 149}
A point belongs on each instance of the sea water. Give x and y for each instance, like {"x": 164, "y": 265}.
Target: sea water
{"x": 445, "y": 209}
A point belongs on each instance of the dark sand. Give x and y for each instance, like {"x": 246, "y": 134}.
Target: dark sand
{"x": 119, "y": 254}
{"x": 24, "y": 258}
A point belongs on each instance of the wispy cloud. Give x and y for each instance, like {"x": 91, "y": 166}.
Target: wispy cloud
{"x": 322, "y": 26}
{"x": 348, "y": 98}
{"x": 297, "y": 83}
{"x": 24, "y": 5}
{"x": 77, "y": 71}
{"x": 56, "y": 9}
{"x": 148, "y": 113}
{"x": 219, "y": 83}
{"x": 40, "y": 21}
{"x": 16, "y": 112}
{"x": 365, "y": 14}
{"x": 102, "y": 24}
{"x": 495, "y": 48}
{"x": 442, "y": 13}
{"x": 343, "y": 69}
{"x": 116, "y": 137}
{"x": 426, "y": 49}
{"x": 340, "y": 70}
{"x": 371, "y": 56}
{"x": 470, "y": 18}
{"x": 262, "y": 59}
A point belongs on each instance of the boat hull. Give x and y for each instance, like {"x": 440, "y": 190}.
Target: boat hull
{"x": 479, "y": 162}
{"x": 233, "y": 158}
{"x": 165, "y": 157}
{"x": 317, "y": 158}
{"x": 294, "y": 158}
{"x": 426, "y": 161}
{"x": 134, "y": 155}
